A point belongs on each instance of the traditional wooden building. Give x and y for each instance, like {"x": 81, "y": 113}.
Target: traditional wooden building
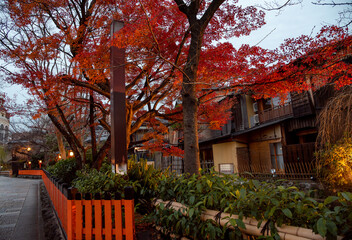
{"x": 275, "y": 137}
{"x": 267, "y": 136}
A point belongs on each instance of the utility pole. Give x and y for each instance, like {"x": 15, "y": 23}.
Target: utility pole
{"x": 118, "y": 104}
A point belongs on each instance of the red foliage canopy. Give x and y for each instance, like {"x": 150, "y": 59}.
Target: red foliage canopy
{"x": 61, "y": 53}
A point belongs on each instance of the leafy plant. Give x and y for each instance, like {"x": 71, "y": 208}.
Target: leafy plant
{"x": 90, "y": 180}
{"x": 65, "y": 170}
{"x": 336, "y": 164}
{"x": 145, "y": 179}
{"x": 265, "y": 202}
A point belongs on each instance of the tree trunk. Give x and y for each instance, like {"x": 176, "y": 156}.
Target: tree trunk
{"x": 190, "y": 128}
{"x": 70, "y": 138}
{"x": 103, "y": 152}
{"x": 189, "y": 98}
{"x": 190, "y": 104}
{"x": 60, "y": 144}
{"x": 92, "y": 128}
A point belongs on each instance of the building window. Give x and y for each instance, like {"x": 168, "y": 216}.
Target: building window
{"x": 206, "y": 159}
{"x": 277, "y": 159}
{"x": 271, "y": 103}
{"x": 226, "y": 168}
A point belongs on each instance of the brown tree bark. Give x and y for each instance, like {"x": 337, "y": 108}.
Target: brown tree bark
{"x": 70, "y": 138}
{"x": 92, "y": 128}
{"x": 60, "y": 144}
{"x": 103, "y": 153}
{"x": 189, "y": 98}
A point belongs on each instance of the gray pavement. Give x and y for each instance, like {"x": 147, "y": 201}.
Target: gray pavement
{"x": 20, "y": 213}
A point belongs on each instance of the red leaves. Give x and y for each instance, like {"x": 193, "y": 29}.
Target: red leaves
{"x": 301, "y": 64}
{"x": 63, "y": 54}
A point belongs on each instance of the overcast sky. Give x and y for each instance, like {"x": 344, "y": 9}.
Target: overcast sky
{"x": 292, "y": 21}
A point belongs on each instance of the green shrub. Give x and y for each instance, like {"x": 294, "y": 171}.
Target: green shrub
{"x": 336, "y": 164}
{"x": 248, "y": 198}
{"x": 65, "y": 170}
{"x": 145, "y": 180}
{"x": 90, "y": 180}
{"x": 263, "y": 201}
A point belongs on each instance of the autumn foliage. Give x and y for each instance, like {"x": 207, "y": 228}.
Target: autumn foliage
{"x": 60, "y": 53}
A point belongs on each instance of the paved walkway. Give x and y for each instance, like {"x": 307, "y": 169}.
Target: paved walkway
{"x": 20, "y": 216}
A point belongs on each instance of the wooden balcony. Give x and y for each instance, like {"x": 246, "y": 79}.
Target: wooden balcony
{"x": 301, "y": 104}
{"x": 275, "y": 113}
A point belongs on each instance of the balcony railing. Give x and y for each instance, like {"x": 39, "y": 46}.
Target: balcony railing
{"x": 275, "y": 113}
{"x": 296, "y": 170}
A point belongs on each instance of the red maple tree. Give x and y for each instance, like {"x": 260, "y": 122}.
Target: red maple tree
{"x": 61, "y": 53}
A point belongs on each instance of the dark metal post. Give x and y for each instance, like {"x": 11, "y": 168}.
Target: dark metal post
{"x": 118, "y": 105}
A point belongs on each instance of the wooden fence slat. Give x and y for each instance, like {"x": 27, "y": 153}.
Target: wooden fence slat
{"x": 108, "y": 222}
{"x": 287, "y": 169}
{"x": 55, "y": 197}
{"x": 53, "y": 192}
{"x": 98, "y": 219}
{"x": 79, "y": 222}
{"x": 294, "y": 168}
{"x": 65, "y": 213}
{"x": 129, "y": 219}
{"x": 118, "y": 219}
{"x": 51, "y": 187}
{"x": 63, "y": 208}
{"x": 304, "y": 169}
{"x": 300, "y": 168}
{"x": 309, "y": 167}
{"x": 70, "y": 223}
{"x": 255, "y": 168}
{"x": 88, "y": 219}
{"x": 301, "y": 172}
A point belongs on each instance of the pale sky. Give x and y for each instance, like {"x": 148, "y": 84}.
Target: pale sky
{"x": 292, "y": 21}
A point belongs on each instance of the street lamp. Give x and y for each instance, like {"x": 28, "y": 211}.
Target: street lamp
{"x": 71, "y": 154}
{"x": 118, "y": 104}
{"x": 29, "y": 157}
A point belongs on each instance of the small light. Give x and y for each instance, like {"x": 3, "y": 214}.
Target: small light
{"x": 59, "y": 156}
{"x": 71, "y": 154}
{"x": 29, "y": 162}
{"x": 40, "y": 161}
{"x": 28, "y": 149}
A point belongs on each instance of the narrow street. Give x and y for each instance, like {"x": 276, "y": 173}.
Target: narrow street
{"x": 20, "y": 216}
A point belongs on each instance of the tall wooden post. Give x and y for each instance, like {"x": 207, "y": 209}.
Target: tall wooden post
{"x": 118, "y": 105}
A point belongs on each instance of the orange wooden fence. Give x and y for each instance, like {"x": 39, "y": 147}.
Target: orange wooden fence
{"x": 30, "y": 172}
{"x": 89, "y": 218}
